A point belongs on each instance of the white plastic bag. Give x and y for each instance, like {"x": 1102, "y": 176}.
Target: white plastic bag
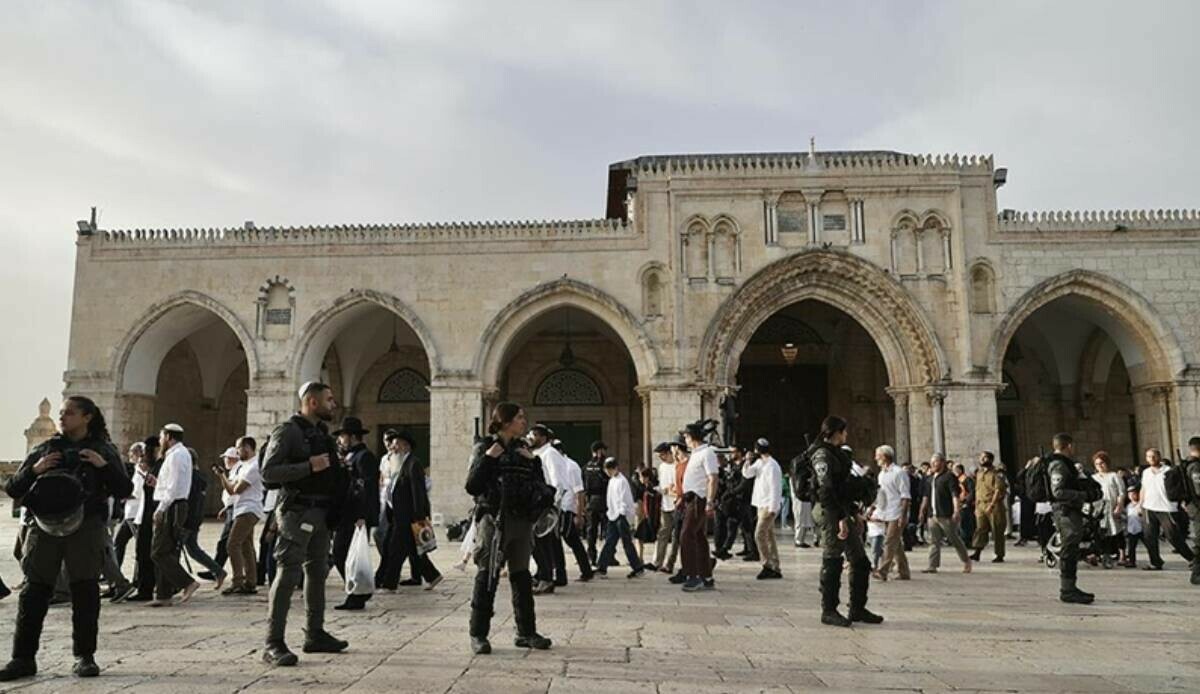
{"x": 360, "y": 577}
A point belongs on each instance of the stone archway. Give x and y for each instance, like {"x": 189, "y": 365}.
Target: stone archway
{"x": 509, "y": 321}
{"x": 1133, "y": 316}
{"x": 904, "y": 335}
{"x": 1111, "y": 368}
{"x": 319, "y": 331}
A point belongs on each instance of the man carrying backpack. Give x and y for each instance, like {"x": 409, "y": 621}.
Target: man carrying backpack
{"x": 1067, "y": 492}
{"x": 1191, "y": 473}
{"x": 1160, "y": 501}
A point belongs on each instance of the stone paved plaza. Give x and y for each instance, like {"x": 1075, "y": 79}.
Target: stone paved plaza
{"x": 1000, "y": 629}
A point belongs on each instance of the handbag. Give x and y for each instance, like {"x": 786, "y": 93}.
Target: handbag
{"x": 424, "y": 536}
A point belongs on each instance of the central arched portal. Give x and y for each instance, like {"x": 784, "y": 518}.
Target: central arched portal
{"x": 807, "y": 360}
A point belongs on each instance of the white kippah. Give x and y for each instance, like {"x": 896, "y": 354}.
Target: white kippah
{"x": 763, "y": 443}
{"x": 173, "y": 428}
{"x": 305, "y": 388}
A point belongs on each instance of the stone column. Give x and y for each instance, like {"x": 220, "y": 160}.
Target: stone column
{"x": 671, "y": 407}
{"x": 269, "y": 401}
{"x": 1162, "y": 405}
{"x": 453, "y": 408}
{"x": 937, "y": 399}
{"x": 970, "y": 422}
{"x": 895, "y": 253}
{"x": 1187, "y": 410}
{"x": 903, "y": 445}
{"x": 920, "y": 425}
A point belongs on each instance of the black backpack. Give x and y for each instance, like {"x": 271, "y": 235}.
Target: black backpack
{"x": 1176, "y": 484}
{"x": 1036, "y": 480}
{"x": 804, "y": 477}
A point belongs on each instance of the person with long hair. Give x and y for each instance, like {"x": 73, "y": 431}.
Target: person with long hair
{"x": 65, "y": 483}
{"x": 510, "y": 492}
{"x": 1112, "y": 505}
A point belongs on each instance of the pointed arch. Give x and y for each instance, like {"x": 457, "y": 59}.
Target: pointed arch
{"x": 507, "y": 324}
{"x": 903, "y": 333}
{"x": 321, "y": 328}
{"x": 1128, "y": 316}
{"x": 136, "y": 359}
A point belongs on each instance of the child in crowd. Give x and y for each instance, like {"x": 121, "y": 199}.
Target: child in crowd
{"x": 1133, "y": 529}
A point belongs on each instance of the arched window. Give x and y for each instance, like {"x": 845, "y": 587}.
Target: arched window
{"x": 404, "y": 385}
{"x": 568, "y": 387}
{"x": 696, "y": 244}
{"x": 652, "y": 294}
{"x": 725, "y": 251}
{"x": 983, "y": 289}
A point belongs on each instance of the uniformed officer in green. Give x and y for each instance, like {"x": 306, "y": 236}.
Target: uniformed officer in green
{"x": 991, "y": 507}
{"x": 838, "y": 516}
{"x": 65, "y": 483}
{"x": 1192, "y": 470}
{"x": 1068, "y": 493}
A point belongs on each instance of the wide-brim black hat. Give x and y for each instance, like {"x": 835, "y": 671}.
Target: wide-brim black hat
{"x": 695, "y": 430}
{"x": 352, "y": 426}
{"x": 405, "y": 437}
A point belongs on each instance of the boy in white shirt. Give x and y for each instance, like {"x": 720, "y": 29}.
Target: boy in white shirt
{"x": 621, "y": 513}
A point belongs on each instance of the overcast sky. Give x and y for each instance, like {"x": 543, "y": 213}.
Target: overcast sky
{"x": 210, "y": 113}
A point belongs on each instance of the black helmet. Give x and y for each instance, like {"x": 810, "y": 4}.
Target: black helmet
{"x": 56, "y": 502}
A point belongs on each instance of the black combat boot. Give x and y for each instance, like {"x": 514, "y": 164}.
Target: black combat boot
{"x": 831, "y": 586}
{"x": 32, "y": 604}
{"x": 860, "y": 582}
{"x": 523, "y": 614}
{"x": 323, "y": 642}
{"x": 1067, "y": 591}
{"x": 85, "y": 624}
{"x": 482, "y": 600}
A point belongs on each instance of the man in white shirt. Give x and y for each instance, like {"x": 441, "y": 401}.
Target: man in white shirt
{"x": 666, "y": 543}
{"x": 1159, "y": 510}
{"x": 548, "y": 550}
{"x": 767, "y": 499}
{"x": 170, "y": 496}
{"x": 891, "y": 507}
{"x": 245, "y": 488}
{"x": 699, "y": 486}
{"x": 570, "y": 523}
{"x": 621, "y": 512}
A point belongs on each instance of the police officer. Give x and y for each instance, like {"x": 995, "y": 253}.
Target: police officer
{"x": 65, "y": 483}
{"x": 362, "y": 505}
{"x": 1192, "y": 470}
{"x": 299, "y": 460}
{"x": 595, "y": 483}
{"x": 510, "y": 492}
{"x": 837, "y": 513}
{"x": 1068, "y": 494}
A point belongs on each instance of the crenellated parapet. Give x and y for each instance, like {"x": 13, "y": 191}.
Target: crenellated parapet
{"x": 1011, "y": 221}
{"x": 865, "y": 162}
{"x": 369, "y": 234}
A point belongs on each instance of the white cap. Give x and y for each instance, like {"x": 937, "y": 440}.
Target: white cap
{"x": 230, "y": 452}
{"x": 173, "y": 428}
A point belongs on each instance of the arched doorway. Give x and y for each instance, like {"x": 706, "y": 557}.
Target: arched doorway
{"x": 377, "y": 364}
{"x": 186, "y": 362}
{"x": 805, "y": 361}
{"x": 572, "y": 372}
{"x": 1081, "y": 355}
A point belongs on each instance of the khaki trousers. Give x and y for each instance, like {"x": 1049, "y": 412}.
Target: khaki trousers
{"x": 945, "y": 528}
{"x": 764, "y": 537}
{"x": 893, "y": 549}
{"x": 995, "y": 523}
{"x": 241, "y": 551}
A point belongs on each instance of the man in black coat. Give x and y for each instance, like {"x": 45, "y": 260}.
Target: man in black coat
{"x": 362, "y": 508}
{"x": 409, "y": 504}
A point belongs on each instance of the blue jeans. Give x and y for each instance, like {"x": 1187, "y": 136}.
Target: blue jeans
{"x": 191, "y": 545}
{"x": 618, "y": 530}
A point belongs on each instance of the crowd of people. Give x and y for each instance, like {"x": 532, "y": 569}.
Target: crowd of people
{"x": 314, "y": 499}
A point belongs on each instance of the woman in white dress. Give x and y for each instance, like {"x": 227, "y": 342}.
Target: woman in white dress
{"x": 1112, "y": 506}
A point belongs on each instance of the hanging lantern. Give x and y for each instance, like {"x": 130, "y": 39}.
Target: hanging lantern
{"x": 789, "y": 352}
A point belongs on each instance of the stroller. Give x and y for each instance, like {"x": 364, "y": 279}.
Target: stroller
{"x": 1091, "y": 548}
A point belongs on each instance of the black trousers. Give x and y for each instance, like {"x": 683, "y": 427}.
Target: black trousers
{"x": 597, "y": 521}
{"x": 126, "y": 531}
{"x": 1160, "y": 522}
{"x": 748, "y": 518}
{"x": 144, "y": 570}
{"x": 570, "y": 535}
{"x": 401, "y": 547}
{"x": 551, "y": 561}
{"x": 222, "y": 553}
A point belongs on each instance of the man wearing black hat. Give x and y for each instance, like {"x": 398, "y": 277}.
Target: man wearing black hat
{"x": 362, "y": 505}
{"x": 409, "y": 504}
{"x": 595, "y": 481}
{"x": 300, "y": 461}
{"x": 699, "y": 485}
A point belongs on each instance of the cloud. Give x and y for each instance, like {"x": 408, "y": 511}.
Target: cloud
{"x": 319, "y": 111}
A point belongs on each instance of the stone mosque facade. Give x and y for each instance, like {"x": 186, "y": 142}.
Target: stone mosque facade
{"x": 764, "y": 290}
